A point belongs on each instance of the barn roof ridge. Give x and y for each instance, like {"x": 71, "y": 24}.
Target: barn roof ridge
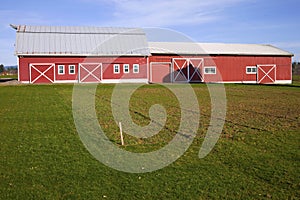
{"x": 78, "y": 29}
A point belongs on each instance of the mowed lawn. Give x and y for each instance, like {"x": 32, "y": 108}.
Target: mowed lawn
{"x": 256, "y": 157}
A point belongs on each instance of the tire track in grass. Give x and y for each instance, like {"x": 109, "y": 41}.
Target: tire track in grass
{"x": 135, "y": 111}
{"x": 227, "y": 121}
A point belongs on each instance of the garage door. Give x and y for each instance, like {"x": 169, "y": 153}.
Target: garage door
{"x": 160, "y": 72}
{"x": 42, "y": 72}
{"x": 266, "y": 74}
{"x": 90, "y": 72}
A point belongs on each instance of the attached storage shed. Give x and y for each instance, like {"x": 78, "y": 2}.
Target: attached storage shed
{"x": 215, "y": 62}
{"x": 54, "y": 54}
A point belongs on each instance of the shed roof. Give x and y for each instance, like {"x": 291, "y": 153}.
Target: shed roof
{"x": 80, "y": 41}
{"x": 190, "y": 48}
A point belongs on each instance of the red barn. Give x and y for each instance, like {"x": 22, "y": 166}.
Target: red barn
{"x": 54, "y": 54}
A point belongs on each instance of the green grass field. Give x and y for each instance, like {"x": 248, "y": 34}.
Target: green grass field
{"x": 9, "y": 76}
{"x": 257, "y": 156}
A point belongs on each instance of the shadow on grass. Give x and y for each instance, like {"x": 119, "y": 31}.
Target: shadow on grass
{"x": 7, "y": 79}
{"x": 268, "y": 85}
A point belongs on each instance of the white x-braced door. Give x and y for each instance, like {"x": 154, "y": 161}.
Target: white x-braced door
{"x": 195, "y": 68}
{"x": 42, "y": 73}
{"x": 187, "y": 69}
{"x": 266, "y": 74}
{"x": 90, "y": 72}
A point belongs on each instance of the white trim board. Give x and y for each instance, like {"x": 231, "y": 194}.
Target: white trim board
{"x": 125, "y": 81}
{"x": 245, "y": 82}
{"x": 283, "y": 82}
{"x": 18, "y": 68}
{"x": 66, "y": 81}
{"x": 255, "y": 82}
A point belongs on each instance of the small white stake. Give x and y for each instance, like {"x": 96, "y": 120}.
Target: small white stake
{"x": 121, "y": 133}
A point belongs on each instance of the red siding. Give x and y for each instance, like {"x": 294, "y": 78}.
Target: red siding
{"x": 108, "y": 69}
{"x": 66, "y": 75}
{"x": 233, "y": 68}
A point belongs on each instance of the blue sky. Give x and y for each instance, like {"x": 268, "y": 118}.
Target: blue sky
{"x": 228, "y": 21}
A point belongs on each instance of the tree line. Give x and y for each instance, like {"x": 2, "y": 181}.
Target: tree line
{"x": 296, "y": 68}
{"x": 8, "y": 70}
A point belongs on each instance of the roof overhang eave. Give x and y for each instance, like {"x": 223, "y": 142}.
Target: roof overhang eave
{"x": 79, "y": 55}
{"x": 219, "y": 54}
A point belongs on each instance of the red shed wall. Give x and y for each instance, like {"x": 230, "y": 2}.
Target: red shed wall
{"x": 233, "y": 68}
{"x": 107, "y": 67}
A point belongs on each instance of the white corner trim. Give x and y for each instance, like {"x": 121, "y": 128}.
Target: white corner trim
{"x": 18, "y": 68}
{"x": 283, "y": 82}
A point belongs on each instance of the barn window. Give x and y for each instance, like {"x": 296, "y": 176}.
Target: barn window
{"x": 136, "y": 68}
{"x": 116, "y": 68}
{"x": 251, "y": 70}
{"x": 209, "y": 70}
{"x": 61, "y": 69}
{"x": 71, "y": 69}
{"x": 126, "y": 68}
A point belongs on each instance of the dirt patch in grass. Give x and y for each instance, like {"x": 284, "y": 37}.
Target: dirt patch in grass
{"x": 9, "y": 81}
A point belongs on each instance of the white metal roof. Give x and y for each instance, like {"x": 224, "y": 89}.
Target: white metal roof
{"x": 80, "y": 41}
{"x": 190, "y": 48}
{"x": 116, "y": 41}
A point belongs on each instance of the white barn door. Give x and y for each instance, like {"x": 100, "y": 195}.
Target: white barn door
{"x": 266, "y": 74}
{"x": 42, "y": 73}
{"x": 187, "y": 70}
{"x": 90, "y": 72}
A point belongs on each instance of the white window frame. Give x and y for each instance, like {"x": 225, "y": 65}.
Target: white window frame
{"x": 136, "y": 68}
{"x": 126, "y": 66}
{"x": 251, "y": 67}
{"x": 71, "y": 69}
{"x": 118, "y": 67}
{"x": 63, "y": 69}
{"x": 210, "y": 67}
